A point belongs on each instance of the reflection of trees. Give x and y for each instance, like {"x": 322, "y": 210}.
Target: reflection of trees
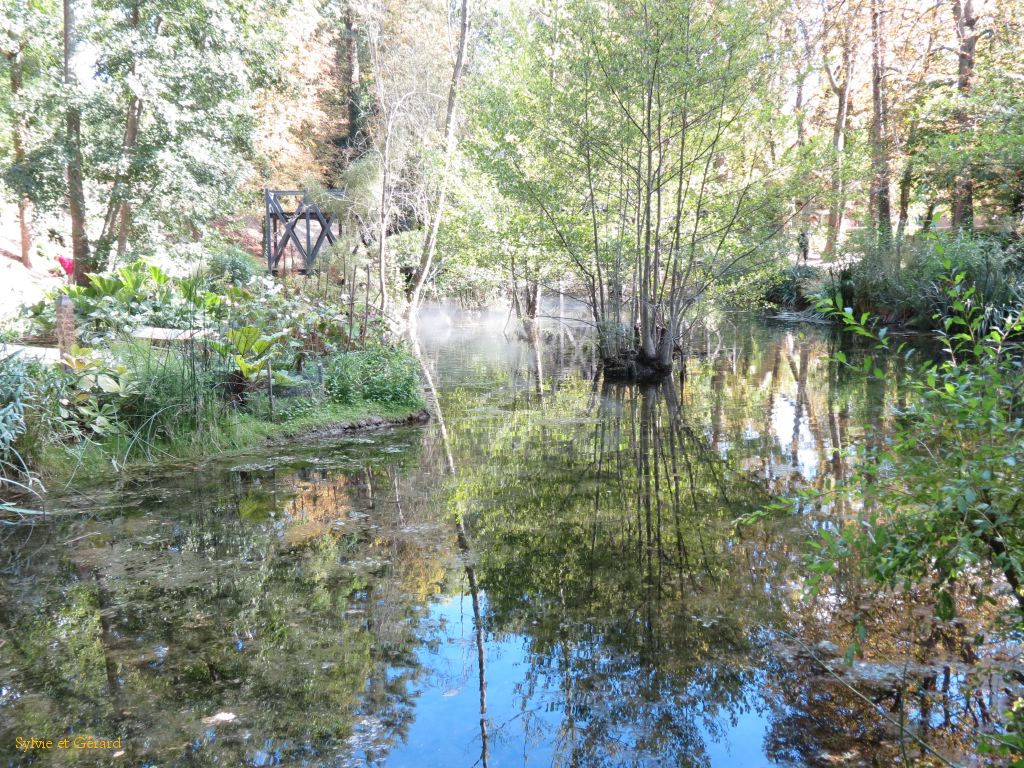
{"x": 603, "y": 526}
{"x": 601, "y": 540}
{"x": 276, "y": 598}
{"x": 594, "y": 522}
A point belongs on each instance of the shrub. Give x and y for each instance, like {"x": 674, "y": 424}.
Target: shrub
{"x": 794, "y": 286}
{"x": 343, "y": 379}
{"x": 380, "y": 375}
{"x": 13, "y": 386}
{"x": 392, "y": 378}
{"x": 939, "y": 518}
{"x": 229, "y": 264}
{"x": 170, "y": 394}
{"x": 915, "y": 293}
{"x": 30, "y": 393}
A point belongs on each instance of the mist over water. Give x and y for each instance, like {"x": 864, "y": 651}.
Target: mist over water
{"x": 553, "y": 578}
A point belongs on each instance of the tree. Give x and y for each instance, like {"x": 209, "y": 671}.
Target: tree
{"x": 20, "y": 42}
{"x": 962, "y": 194}
{"x": 841, "y": 84}
{"x": 436, "y": 211}
{"x": 638, "y": 156}
{"x": 880, "y": 182}
{"x": 73, "y": 121}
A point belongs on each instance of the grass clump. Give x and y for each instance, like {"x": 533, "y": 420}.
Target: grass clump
{"x": 379, "y": 375}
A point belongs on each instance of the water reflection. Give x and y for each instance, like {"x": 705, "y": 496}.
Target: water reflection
{"x": 548, "y": 574}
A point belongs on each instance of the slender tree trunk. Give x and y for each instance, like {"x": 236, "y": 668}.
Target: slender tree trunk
{"x": 906, "y": 180}
{"x": 803, "y": 204}
{"x": 117, "y": 221}
{"x": 929, "y": 214}
{"x": 352, "y": 64}
{"x": 434, "y": 223}
{"x": 16, "y": 59}
{"x": 76, "y": 192}
{"x": 962, "y": 194}
{"x": 382, "y": 234}
{"x": 881, "y": 204}
{"x": 837, "y": 204}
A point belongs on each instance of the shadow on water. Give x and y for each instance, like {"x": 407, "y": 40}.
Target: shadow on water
{"x": 550, "y": 573}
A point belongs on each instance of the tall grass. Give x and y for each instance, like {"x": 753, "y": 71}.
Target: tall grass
{"x": 909, "y": 289}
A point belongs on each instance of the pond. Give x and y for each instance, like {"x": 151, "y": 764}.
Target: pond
{"x": 549, "y": 574}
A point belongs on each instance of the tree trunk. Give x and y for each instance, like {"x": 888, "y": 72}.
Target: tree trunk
{"x": 76, "y": 192}
{"x": 434, "y": 224}
{"x": 803, "y": 204}
{"x": 352, "y": 65}
{"x": 929, "y": 214}
{"x": 962, "y": 194}
{"x": 382, "y": 234}
{"x": 881, "y": 204}
{"x": 906, "y": 180}
{"x": 16, "y": 59}
{"x": 117, "y": 221}
{"x": 837, "y": 205}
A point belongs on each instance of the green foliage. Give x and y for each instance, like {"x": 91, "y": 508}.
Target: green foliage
{"x": 127, "y": 399}
{"x": 1010, "y": 743}
{"x": 100, "y": 390}
{"x": 794, "y": 285}
{"x": 941, "y": 498}
{"x": 248, "y": 348}
{"x": 992, "y": 151}
{"x": 13, "y": 393}
{"x": 231, "y": 265}
{"x": 116, "y": 302}
{"x": 917, "y": 294}
{"x": 378, "y": 375}
{"x": 630, "y": 155}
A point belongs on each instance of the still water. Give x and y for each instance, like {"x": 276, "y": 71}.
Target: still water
{"x": 548, "y": 574}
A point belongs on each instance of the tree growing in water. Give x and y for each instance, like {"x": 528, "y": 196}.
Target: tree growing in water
{"x": 639, "y": 141}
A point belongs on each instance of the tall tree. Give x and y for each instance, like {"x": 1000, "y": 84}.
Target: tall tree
{"x": 13, "y": 48}
{"x": 880, "y": 200}
{"x": 436, "y": 211}
{"x": 76, "y": 191}
{"x": 651, "y": 170}
{"x": 119, "y": 206}
{"x": 962, "y": 194}
{"x": 841, "y": 84}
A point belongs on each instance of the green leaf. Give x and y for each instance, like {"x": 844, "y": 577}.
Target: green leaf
{"x": 944, "y": 607}
{"x": 243, "y": 338}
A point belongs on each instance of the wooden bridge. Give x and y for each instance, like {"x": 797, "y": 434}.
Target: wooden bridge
{"x": 281, "y": 222}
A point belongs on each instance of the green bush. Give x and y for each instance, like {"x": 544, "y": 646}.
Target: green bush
{"x": 915, "y": 293}
{"x": 229, "y": 264}
{"x": 343, "y": 379}
{"x": 942, "y": 519}
{"x": 393, "y": 379}
{"x": 380, "y": 374}
{"x": 30, "y": 393}
{"x": 794, "y": 287}
{"x": 13, "y": 392}
{"x": 170, "y": 394}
